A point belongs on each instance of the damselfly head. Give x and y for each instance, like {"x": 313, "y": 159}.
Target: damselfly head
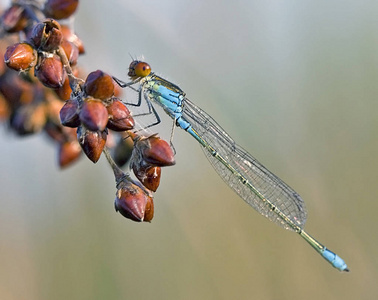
{"x": 139, "y": 69}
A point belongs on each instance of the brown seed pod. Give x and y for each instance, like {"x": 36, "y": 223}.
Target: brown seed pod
{"x": 118, "y": 91}
{"x": 59, "y": 133}
{"x": 20, "y": 56}
{"x": 99, "y": 85}
{"x": 46, "y": 36}
{"x": 73, "y": 38}
{"x": 68, "y": 153}
{"x": 71, "y": 51}
{"x": 133, "y": 202}
{"x": 156, "y": 151}
{"x": 120, "y": 118}
{"x": 28, "y": 119}
{"x": 92, "y": 142}
{"x": 14, "y": 19}
{"x": 69, "y": 114}
{"x": 54, "y": 131}
{"x": 93, "y": 115}
{"x": 50, "y": 71}
{"x": 60, "y": 9}
{"x": 17, "y": 91}
{"x": 12, "y": 87}
{"x": 148, "y": 175}
{"x": 64, "y": 92}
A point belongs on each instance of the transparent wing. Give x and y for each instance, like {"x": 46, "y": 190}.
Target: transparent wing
{"x": 266, "y": 183}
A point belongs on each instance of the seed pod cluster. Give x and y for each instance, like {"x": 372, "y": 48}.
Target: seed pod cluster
{"x": 40, "y": 51}
{"x": 31, "y": 108}
{"x": 25, "y": 102}
{"x": 40, "y": 91}
{"x": 45, "y": 44}
{"x": 94, "y": 111}
{"x": 134, "y": 199}
{"x": 47, "y": 38}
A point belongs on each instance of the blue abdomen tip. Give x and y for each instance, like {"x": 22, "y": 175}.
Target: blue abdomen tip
{"x": 335, "y": 260}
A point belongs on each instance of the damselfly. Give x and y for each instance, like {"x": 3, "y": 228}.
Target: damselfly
{"x": 255, "y": 184}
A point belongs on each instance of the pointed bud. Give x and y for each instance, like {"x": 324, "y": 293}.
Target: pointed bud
{"x": 133, "y": 202}
{"x": 156, "y": 151}
{"x": 68, "y": 153}
{"x": 92, "y": 142}
{"x": 14, "y": 19}
{"x": 73, "y": 38}
{"x": 60, "y": 9}
{"x": 64, "y": 92}
{"x": 69, "y": 114}
{"x": 99, "y": 85}
{"x": 71, "y": 51}
{"x": 148, "y": 175}
{"x": 93, "y": 115}
{"x": 50, "y": 72}
{"x": 120, "y": 118}
{"x": 20, "y": 56}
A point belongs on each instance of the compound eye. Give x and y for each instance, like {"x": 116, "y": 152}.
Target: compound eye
{"x": 139, "y": 69}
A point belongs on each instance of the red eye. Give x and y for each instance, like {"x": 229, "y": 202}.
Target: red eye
{"x": 142, "y": 69}
{"x": 139, "y": 69}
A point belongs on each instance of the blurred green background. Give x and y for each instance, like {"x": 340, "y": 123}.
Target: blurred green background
{"x": 293, "y": 82}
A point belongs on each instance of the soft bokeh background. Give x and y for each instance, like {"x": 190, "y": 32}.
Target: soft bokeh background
{"x": 294, "y": 82}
